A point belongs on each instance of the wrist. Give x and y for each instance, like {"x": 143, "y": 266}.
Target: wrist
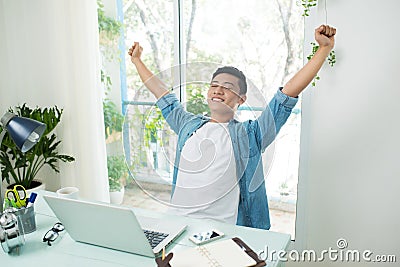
{"x": 136, "y": 60}
{"x": 324, "y": 50}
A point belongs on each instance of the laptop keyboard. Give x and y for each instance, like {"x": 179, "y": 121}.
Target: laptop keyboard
{"x": 154, "y": 237}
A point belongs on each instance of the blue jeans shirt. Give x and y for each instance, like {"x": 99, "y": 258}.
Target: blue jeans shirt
{"x": 249, "y": 140}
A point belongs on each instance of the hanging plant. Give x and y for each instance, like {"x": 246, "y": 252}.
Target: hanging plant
{"x": 307, "y": 5}
{"x": 109, "y": 33}
{"x": 331, "y": 59}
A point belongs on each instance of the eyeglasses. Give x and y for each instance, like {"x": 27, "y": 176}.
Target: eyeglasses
{"x": 52, "y": 234}
{"x": 226, "y": 87}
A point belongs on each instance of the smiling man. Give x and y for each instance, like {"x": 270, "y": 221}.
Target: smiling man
{"x": 227, "y": 91}
{"x": 218, "y": 171}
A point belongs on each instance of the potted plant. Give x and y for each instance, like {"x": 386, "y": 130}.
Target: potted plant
{"x": 117, "y": 172}
{"x": 113, "y": 121}
{"x": 22, "y": 168}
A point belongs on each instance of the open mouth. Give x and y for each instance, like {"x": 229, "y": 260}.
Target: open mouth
{"x": 217, "y": 99}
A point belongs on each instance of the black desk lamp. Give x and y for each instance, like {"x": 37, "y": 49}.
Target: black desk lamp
{"x": 24, "y": 132}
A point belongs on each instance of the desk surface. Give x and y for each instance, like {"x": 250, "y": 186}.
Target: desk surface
{"x": 66, "y": 252}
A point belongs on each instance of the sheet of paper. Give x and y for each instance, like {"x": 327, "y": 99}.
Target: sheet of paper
{"x": 219, "y": 253}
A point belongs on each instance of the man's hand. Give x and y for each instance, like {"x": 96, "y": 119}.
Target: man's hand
{"x": 325, "y": 36}
{"x": 164, "y": 262}
{"x": 135, "y": 52}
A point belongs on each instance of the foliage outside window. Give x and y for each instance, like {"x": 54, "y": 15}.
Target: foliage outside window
{"x": 109, "y": 30}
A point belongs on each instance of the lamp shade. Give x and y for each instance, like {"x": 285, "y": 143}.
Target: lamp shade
{"x": 24, "y": 132}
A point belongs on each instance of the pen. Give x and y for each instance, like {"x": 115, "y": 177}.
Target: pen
{"x": 31, "y": 200}
{"x": 163, "y": 254}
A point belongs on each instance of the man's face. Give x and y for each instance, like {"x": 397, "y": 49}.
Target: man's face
{"x": 223, "y": 94}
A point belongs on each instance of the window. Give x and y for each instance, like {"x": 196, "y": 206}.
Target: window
{"x": 184, "y": 42}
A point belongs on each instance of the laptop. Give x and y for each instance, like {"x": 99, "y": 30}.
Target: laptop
{"x": 114, "y": 227}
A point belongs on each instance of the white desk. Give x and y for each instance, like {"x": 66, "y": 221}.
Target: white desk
{"x": 67, "y": 252}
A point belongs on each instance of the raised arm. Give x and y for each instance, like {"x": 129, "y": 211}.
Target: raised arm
{"x": 152, "y": 82}
{"x": 325, "y": 37}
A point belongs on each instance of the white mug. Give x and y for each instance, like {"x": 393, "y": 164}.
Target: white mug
{"x": 68, "y": 192}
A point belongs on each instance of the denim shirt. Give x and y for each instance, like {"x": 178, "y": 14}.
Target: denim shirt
{"x": 249, "y": 139}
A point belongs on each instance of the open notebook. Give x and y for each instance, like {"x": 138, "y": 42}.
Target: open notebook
{"x": 231, "y": 252}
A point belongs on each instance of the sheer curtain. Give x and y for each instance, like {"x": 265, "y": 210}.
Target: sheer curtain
{"x": 49, "y": 56}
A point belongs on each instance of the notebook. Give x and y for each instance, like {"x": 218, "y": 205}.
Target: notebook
{"x": 230, "y": 252}
{"x": 114, "y": 227}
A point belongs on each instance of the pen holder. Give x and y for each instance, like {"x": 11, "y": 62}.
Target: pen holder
{"x": 27, "y": 217}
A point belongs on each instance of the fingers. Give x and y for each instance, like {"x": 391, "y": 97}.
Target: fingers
{"x": 326, "y": 30}
{"x": 130, "y": 52}
{"x": 135, "y": 49}
{"x": 165, "y": 262}
{"x": 169, "y": 256}
{"x": 329, "y": 31}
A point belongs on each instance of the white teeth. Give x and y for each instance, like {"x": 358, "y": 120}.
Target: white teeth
{"x": 217, "y": 99}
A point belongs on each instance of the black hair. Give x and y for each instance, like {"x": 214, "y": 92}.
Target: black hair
{"x": 235, "y": 72}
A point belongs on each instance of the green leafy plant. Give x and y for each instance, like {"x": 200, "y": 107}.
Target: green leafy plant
{"x": 23, "y": 167}
{"x": 196, "y": 100}
{"x": 109, "y": 31}
{"x": 117, "y": 171}
{"x": 153, "y": 122}
{"x": 113, "y": 123}
{"x": 196, "y": 104}
{"x": 307, "y": 5}
{"x": 107, "y": 24}
{"x": 113, "y": 118}
{"x": 331, "y": 59}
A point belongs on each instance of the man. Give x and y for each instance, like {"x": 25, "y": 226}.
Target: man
{"x": 218, "y": 169}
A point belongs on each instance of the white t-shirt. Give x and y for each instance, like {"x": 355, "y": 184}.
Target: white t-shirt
{"x": 206, "y": 183}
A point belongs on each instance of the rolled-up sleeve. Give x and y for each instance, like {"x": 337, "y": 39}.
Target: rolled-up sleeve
{"x": 166, "y": 101}
{"x": 173, "y": 111}
{"x": 274, "y": 117}
{"x": 285, "y": 100}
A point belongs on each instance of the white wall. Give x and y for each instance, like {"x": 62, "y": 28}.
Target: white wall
{"x": 350, "y": 152}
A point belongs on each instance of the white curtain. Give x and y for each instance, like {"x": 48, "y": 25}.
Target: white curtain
{"x": 49, "y": 56}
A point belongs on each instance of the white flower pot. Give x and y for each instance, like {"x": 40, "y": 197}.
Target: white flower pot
{"x": 116, "y": 197}
{"x": 42, "y": 186}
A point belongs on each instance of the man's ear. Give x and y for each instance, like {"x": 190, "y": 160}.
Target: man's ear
{"x": 242, "y": 99}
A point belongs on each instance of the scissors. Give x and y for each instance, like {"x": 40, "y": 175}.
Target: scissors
{"x": 17, "y": 195}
